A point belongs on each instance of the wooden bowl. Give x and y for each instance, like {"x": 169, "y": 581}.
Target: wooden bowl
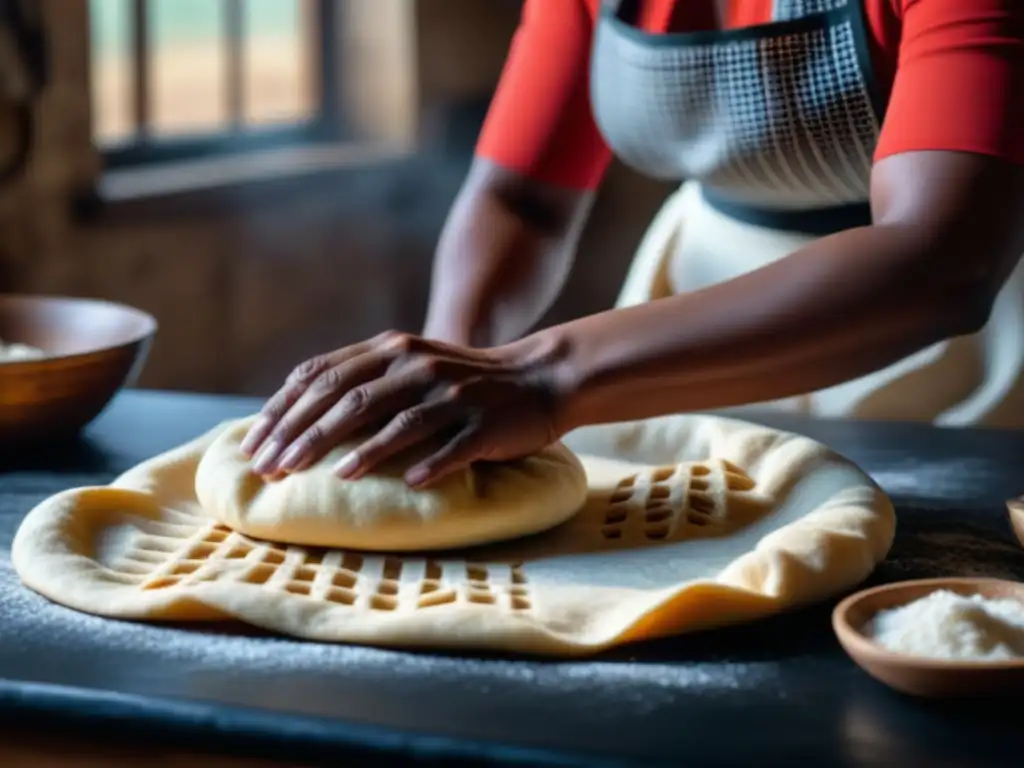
{"x": 94, "y": 348}
{"x": 915, "y": 675}
{"x": 1016, "y": 508}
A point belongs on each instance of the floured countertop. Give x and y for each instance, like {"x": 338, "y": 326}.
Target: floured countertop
{"x": 784, "y": 684}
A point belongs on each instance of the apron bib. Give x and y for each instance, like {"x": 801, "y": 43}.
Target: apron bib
{"x": 774, "y": 126}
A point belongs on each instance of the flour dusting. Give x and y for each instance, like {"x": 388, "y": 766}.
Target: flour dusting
{"x": 200, "y": 648}
{"x": 217, "y": 665}
{"x": 958, "y": 478}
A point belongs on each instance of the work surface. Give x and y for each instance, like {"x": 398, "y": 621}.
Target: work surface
{"x": 774, "y": 693}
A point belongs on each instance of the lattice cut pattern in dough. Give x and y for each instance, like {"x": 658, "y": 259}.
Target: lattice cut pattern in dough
{"x": 630, "y": 565}
{"x": 675, "y": 502}
{"x": 167, "y": 555}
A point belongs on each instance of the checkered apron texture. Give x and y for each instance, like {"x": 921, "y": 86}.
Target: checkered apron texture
{"x": 779, "y": 115}
{"x": 773, "y": 128}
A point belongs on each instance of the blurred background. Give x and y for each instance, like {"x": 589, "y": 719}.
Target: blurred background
{"x": 267, "y": 177}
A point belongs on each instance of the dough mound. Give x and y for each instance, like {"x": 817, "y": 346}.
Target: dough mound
{"x": 379, "y": 512}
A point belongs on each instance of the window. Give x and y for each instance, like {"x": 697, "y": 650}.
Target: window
{"x": 186, "y": 79}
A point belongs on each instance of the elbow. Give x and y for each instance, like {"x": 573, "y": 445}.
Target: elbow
{"x": 545, "y": 209}
{"x": 976, "y": 313}
{"x": 964, "y": 308}
{"x": 961, "y": 293}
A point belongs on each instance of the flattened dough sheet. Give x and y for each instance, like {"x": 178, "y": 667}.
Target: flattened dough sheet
{"x": 691, "y": 522}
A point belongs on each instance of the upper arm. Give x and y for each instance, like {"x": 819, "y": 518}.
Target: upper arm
{"x": 540, "y": 122}
{"x": 950, "y": 161}
{"x": 961, "y": 216}
{"x": 959, "y": 83}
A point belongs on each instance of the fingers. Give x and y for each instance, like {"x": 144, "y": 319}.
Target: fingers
{"x": 339, "y": 383}
{"x": 421, "y": 424}
{"x": 277, "y": 405}
{"x": 308, "y": 440}
{"x": 457, "y": 454}
{"x": 393, "y": 345}
{"x": 296, "y": 385}
{"x": 392, "y": 379}
{"x": 480, "y": 407}
{"x": 411, "y": 427}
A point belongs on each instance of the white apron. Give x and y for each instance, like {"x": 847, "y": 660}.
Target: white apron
{"x": 776, "y": 125}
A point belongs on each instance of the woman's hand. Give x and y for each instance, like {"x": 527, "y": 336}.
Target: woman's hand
{"x": 476, "y": 404}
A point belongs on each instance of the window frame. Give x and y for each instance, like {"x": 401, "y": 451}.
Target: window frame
{"x": 142, "y": 149}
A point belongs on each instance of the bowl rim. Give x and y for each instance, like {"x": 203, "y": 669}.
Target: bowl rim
{"x": 150, "y": 326}
{"x": 859, "y": 646}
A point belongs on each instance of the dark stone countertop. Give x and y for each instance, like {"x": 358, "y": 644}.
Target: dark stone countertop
{"x": 779, "y": 692}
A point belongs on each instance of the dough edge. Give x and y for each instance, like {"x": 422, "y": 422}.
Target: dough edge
{"x": 851, "y": 540}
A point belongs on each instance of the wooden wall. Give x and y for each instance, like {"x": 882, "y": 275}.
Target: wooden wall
{"x": 246, "y": 289}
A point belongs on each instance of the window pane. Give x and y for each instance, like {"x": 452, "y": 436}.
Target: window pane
{"x": 111, "y": 70}
{"x": 279, "y": 83}
{"x": 188, "y": 94}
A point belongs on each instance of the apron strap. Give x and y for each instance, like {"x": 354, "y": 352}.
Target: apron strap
{"x": 817, "y": 222}
{"x": 627, "y": 11}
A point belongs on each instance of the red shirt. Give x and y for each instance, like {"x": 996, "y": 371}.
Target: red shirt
{"x": 952, "y": 70}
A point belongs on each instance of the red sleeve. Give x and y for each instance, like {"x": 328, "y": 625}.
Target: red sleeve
{"x": 959, "y": 82}
{"x": 540, "y": 122}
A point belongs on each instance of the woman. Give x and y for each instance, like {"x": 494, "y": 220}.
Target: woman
{"x": 845, "y": 244}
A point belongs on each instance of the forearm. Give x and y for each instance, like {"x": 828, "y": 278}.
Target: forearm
{"x": 847, "y": 305}
{"x": 488, "y": 285}
{"x": 503, "y": 257}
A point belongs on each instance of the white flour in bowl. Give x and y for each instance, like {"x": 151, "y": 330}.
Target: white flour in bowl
{"x": 945, "y": 625}
{"x": 10, "y": 353}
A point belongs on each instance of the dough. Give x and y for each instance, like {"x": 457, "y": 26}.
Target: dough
{"x": 379, "y": 512}
{"x": 690, "y": 523}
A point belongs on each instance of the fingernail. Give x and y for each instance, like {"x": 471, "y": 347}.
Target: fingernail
{"x": 293, "y": 458}
{"x": 254, "y": 436}
{"x": 417, "y": 476}
{"x": 348, "y": 465}
{"x": 265, "y": 460}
